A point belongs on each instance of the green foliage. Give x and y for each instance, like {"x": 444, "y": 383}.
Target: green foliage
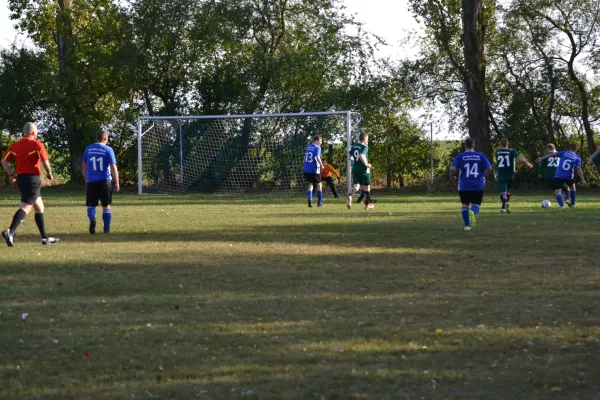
{"x": 104, "y": 63}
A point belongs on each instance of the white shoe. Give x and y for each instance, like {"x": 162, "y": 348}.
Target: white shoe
{"x": 50, "y": 240}
{"x": 9, "y": 237}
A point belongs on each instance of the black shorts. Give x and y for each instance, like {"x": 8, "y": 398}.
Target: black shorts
{"x": 329, "y": 180}
{"x": 471, "y": 196}
{"x": 315, "y": 179}
{"x": 552, "y": 182}
{"x": 30, "y": 187}
{"x": 558, "y": 183}
{"x": 98, "y": 191}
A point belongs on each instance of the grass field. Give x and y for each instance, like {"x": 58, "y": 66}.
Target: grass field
{"x": 214, "y": 298}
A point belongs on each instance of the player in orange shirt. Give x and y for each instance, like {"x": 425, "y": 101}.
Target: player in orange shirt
{"x": 326, "y": 172}
{"x": 27, "y": 154}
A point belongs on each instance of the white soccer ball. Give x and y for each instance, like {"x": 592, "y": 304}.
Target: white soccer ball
{"x": 546, "y": 204}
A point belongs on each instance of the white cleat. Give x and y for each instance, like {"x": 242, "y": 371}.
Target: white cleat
{"x": 50, "y": 240}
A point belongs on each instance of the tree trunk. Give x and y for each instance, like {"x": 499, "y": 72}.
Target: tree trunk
{"x": 550, "y": 112}
{"x": 585, "y": 108}
{"x": 390, "y": 169}
{"x": 69, "y": 107}
{"x": 474, "y": 74}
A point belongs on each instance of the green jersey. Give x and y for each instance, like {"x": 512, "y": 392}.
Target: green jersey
{"x": 548, "y": 167}
{"x": 505, "y": 162}
{"x": 355, "y": 151}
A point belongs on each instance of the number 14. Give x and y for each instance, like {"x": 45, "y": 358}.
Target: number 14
{"x": 471, "y": 170}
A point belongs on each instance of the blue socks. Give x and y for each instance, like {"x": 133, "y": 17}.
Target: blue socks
{"x": 106, "y": 217}
{"x": 91, "y": 211}
{"x": 465, "y": 215}
{"x": 559, "y": 200}
{"x": 320, "y": 197}
{"x": 573, "y": 192}
{"x": 310, "y": 193}
{"x": 475, "y": 208}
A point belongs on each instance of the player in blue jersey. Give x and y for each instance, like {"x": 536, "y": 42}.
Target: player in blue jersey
{"x": 312, "y": 170}
{"x": 472, "y": 167}
{"x": 565, "y": 173}
{"x": 100, "y": 172}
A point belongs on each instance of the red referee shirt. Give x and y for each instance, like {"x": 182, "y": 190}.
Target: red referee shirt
{"x": 27, "y": 153}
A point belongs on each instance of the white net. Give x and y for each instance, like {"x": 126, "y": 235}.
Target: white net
{"x": 238, "y": 154}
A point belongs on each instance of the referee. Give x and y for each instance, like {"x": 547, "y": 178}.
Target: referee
{"x": 27, "y": 154}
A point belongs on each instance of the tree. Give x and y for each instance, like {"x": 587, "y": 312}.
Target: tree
{"x": 27, "y": 88}
{"x": 458, "y": 32}
{"x": 82, "y": 42}
{"x": 576, "y": 26}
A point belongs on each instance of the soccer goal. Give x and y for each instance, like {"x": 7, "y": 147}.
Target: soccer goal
{"x": 238, "y": 154}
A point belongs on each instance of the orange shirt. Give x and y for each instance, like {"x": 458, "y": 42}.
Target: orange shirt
{"x": 326, "y": 172}
{"x": 27, "y": 153}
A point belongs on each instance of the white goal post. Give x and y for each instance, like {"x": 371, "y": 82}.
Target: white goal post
{"x": 236, "y": 154}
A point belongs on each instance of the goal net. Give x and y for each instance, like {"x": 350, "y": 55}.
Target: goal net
{"x": 237, "y": 154}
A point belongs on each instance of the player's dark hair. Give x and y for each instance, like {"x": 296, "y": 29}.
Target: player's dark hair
{"x": 503, "y": 142}
{"x": 573, "y": 147}
{"x": 101, "y": 134}
{"x": 316, "y": 138}
{"x": 469, "y": 144}
{"x": 362, "y": 136}
{"x": 550, "y": 146}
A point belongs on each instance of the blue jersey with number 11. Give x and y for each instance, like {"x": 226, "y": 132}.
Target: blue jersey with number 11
{"x": 311, "y": 166}
{"x": 471, "y": 166}
{"x": 98, "y": 157}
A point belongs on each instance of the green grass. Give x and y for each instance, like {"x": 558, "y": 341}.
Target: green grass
{"x": 215, "y": 298}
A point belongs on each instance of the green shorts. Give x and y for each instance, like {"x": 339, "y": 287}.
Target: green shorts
{"x": 505, "y": 183}
{"x": 596, "y": 160}
{"x": 363, "y": 179}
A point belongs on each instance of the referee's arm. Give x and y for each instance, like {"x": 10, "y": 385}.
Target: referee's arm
{"x": 8, "y": 170}
{"x": 46, "y": 165}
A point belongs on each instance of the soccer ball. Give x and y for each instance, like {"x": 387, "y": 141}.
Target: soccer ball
{"x": 546, "y": 204}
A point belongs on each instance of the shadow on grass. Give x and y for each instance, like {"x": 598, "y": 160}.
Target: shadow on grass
{"x": 376, "y": 231}
{"x": 292, "y": 326}
{"x": 364, "y": 308}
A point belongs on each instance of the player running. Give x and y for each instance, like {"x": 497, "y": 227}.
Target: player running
{"x": 312, "y": 170}
{"x": 505, "y": 171}
{"x": 565, "y": 173}
{"x": 326, "y": 175}
{"x": 547, "y": 171}
{"x": 28, "y": 153}
{"x": 472, "y": 167}
{"x": 100, "y": 172}
{"x": 361, "y": 171}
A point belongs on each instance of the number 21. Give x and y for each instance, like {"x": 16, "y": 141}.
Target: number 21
{"x": 503, "y": 161}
